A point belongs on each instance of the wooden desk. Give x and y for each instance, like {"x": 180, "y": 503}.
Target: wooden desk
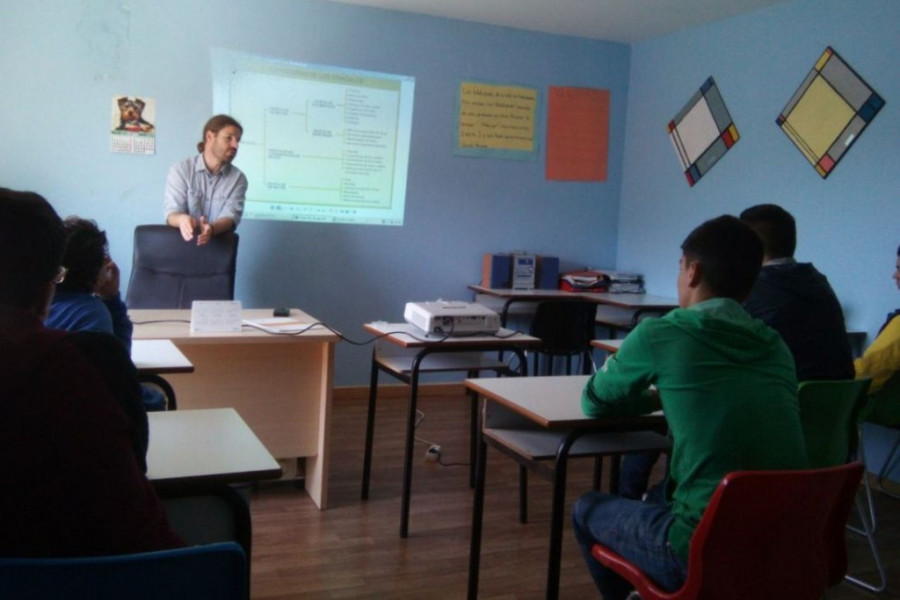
{"x": 159, "y": 357}
{"x": 553, "y": 403}
{"x": 429, "y": 353}
{"x": 207, "y": 446}
{"x": 280, "y": 384}
{"x": 611, "y": 346}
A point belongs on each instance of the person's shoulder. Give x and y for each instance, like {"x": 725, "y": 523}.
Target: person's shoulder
{"x": 184, "y": 166}
{"x": 102, "y": 349}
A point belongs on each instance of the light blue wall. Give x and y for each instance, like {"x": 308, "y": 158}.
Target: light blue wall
{"x": 63, "y": 61}
{"x": 847, "y": 224}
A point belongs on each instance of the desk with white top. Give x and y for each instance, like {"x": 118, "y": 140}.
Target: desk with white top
{"x": 619, "y": 311}
{"x": 554, "y": 404}
{"x": 207, "y": 446}
{"x": 407, "y": 352}
{"x": 159, "y": 357}
{"x": 280, "y": 384}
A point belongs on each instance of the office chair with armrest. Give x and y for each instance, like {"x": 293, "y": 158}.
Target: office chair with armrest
{"x": 168, "y": 272}
{"x": 777, "y": 535}
{"x": 829, "y": 413}
{"x": 211, "y": 572}
{"x": 566, "y": 328}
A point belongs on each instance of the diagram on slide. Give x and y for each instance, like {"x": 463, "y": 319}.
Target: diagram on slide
{"x": 321, "y": 144}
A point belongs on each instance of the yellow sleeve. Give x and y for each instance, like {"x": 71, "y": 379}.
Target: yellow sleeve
{"x": 882, "y": 358}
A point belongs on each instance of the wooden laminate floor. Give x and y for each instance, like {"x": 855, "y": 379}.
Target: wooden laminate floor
{"x": 353, "y": 549}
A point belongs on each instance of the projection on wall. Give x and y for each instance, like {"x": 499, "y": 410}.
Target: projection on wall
{"x": 321, "y": 144}
{"x": 828, "y": 112}
{"x": 702, "y": 132}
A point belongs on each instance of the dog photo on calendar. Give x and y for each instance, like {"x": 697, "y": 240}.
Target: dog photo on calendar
{"x": 131, "y": 115}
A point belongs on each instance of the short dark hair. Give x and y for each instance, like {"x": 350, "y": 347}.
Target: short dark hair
{"x": 215, "y": 125}
{"x": 775, "y": 226}
{"x": 86, "y": 252}
{"x": 730, "y": 255}
{"x": 32, "y": 241}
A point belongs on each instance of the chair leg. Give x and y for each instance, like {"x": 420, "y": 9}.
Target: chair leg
{"x": 598, "y": 472}
{"x": 873, "y": 517}
{"x": 886, "y": 467}
{"x": 873, "y": 546}
{"x": 523, "y": 495}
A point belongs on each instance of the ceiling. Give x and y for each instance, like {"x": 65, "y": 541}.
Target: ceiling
{"x": 625, "y": 21}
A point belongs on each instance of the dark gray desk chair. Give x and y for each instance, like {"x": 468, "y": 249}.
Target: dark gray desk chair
{"x": 167, "y": 272}
{"x": 566, "y": 328}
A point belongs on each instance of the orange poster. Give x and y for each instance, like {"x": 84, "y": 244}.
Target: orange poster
{"x": 577, "y": 134}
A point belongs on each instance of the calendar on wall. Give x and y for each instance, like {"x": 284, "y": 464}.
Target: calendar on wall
{"x": 131, "y": 125}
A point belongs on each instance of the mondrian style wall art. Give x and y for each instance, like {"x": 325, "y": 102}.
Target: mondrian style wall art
{"x": 828, "y": 112}
{"x": 702, "y": 132}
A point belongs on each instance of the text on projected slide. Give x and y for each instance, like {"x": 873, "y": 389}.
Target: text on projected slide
{"x": 320, "y": 143}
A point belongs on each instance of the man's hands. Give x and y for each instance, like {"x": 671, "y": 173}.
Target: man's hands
{"x": 189, "y": 227}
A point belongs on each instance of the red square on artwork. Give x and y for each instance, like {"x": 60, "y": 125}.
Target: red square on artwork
{"x": 826, "y": 163}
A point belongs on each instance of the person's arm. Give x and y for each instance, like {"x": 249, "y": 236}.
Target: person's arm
{"x": 210, "y": 230}
{"x": 622, "y": 386}
{"x": 108, "y": 291}
{"x": 175, "y": 202}
{"x": 114, "y": 365}
{"x": 882, "y": 358}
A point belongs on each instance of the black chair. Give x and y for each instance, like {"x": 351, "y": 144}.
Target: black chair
{"x": 168, "y": 272}
{"x": 566, "y": 328}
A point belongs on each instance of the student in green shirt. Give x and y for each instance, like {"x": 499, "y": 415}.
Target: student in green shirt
{"x": 728, "y": 386}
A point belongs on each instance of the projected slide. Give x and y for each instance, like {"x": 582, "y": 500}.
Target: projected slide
{"x": 321, "y": 144}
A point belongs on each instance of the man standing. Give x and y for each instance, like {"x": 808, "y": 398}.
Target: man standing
{"x": 728, "y": 387}
{"x": 205, "y": 193}
{"x": 796, "y": 300}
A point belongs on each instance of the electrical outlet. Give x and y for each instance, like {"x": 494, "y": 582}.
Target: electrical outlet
{"x": 433, "y": 453}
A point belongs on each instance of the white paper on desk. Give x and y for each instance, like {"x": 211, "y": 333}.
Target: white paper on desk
{"x": 278, "y": 324}
{"x": 215, "y": 316}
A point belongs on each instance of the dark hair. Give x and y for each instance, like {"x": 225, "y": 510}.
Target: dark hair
{"x": 215, "y": 125}
{"x": 775, "y": 226}
{"x": 32, "y": 241}
{"x": 86, "y": 251}
{"x": 730, "y": 255}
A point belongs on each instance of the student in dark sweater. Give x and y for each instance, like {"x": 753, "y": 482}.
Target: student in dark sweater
{"x": 72, "y": 430}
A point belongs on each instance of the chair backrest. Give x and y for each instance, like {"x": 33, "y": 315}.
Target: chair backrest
{"x": 773, "y": 534}
{"x": 167, "y": 272}
{"x": 829, "y": 413}
{"x": 565, "y": 327}
{"x": 883, "y": 406}
{"x": 213, "y": 572}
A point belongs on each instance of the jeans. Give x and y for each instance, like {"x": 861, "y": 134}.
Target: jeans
{"x": 634, "y": 474}
{"x": 637, "y": 531}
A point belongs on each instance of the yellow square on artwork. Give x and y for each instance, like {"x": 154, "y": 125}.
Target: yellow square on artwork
{"x": 819, "y": 118}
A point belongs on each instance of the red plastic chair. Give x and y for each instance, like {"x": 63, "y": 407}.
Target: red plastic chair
{"x": 765, "y": 534}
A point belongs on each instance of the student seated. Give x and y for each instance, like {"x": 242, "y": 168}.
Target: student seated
{"x": 881, "y": 361}
{"x": 728, "y": 386}
{"x": 794, "y": 299}
{"x": 89, "y": 298}
{"x": 72, "y": 430}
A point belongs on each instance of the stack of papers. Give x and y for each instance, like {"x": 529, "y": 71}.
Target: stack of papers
{"x": 278, "y": 324}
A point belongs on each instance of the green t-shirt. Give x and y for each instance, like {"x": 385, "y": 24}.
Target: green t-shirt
{"x": 728, "y": 387}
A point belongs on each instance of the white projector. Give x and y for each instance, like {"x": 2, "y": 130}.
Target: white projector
{"x": 444, "y": 317}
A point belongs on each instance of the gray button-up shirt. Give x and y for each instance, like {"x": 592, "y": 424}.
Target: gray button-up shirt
{"x": 192, "y": 189}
